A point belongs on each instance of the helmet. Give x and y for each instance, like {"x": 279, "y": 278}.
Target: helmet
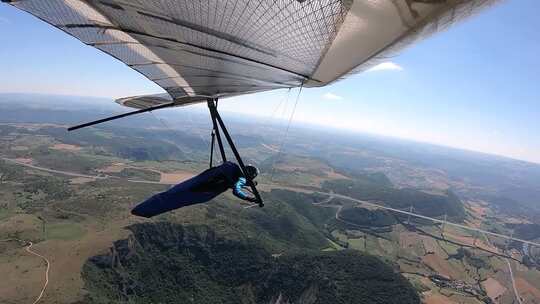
{"x": 251, "y": 172}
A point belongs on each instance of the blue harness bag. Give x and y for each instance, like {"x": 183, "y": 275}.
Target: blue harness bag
{"x": 198, "y": 189}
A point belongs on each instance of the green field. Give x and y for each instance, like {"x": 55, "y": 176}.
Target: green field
{"x": 64, "y": 231}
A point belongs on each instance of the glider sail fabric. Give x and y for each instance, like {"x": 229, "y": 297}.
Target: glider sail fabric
{"x": 198, "y": 49}
{"x": 149, "y": 101}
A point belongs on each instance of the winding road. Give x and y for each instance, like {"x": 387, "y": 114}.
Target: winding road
{"x": 513, "y": 281}
{"x": 28, "y": 249}
{"x": 511, "y": 272}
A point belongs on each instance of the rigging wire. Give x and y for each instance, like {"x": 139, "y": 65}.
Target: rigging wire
{"x": 194, "y": 124}
{"x": 285, "y": 136}
{"x": 167, "y": 127}
{"x": 284, "y": 100}
{"x": 284, "y": 111}
{"x": 191, "y": 122}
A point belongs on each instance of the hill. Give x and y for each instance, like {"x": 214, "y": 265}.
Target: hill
{"x": 376, "y": 188}
{"x": 166, "y": 263}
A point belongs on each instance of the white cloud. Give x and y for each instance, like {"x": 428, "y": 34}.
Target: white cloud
{"x": 331, "y": 96}
{"x": 386, "y": 66}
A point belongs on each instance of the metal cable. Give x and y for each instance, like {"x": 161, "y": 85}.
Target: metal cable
{"x": 285, "y": 136}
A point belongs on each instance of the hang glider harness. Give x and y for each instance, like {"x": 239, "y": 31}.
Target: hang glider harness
{"x": 217, "y": 124}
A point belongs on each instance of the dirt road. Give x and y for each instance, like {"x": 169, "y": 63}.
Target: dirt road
{"x": 516, "y": 293}
{"x": 28, "y": 248}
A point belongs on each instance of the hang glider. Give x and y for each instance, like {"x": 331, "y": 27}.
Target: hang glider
{"x": 200, "y": 51}
{"x": 197, "y": 50}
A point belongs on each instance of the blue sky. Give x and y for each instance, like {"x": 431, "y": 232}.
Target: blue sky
{"x": 475, "y": 86}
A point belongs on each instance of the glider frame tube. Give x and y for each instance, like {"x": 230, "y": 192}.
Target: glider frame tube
{"x": 95, "y": 122}
{"x": 215, "y": 132}
{"x": 216, "y": 119}
{"x": 212, "y": 143}
{"x": 217, "y": 124}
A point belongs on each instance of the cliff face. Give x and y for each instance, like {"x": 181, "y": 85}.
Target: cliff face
{"x": 168, "y": 263}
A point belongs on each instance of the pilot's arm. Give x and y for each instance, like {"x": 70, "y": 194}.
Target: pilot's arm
{"x": 239, "y": 191}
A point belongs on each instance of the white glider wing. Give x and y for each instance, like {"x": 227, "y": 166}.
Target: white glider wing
{"x": 198, "y": 49}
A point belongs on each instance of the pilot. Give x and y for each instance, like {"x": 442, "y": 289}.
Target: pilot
{"x": 241, "y": 185}
{"x": 201, "y": 189}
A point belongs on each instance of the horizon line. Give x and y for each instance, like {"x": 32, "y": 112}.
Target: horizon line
{"x": 311, "y": 124}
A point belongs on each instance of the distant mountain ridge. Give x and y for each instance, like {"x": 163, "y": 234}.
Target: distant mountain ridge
{"x": 513, "y": 185}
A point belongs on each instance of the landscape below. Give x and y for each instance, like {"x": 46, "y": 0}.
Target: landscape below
{"x": 70, "y": 195}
